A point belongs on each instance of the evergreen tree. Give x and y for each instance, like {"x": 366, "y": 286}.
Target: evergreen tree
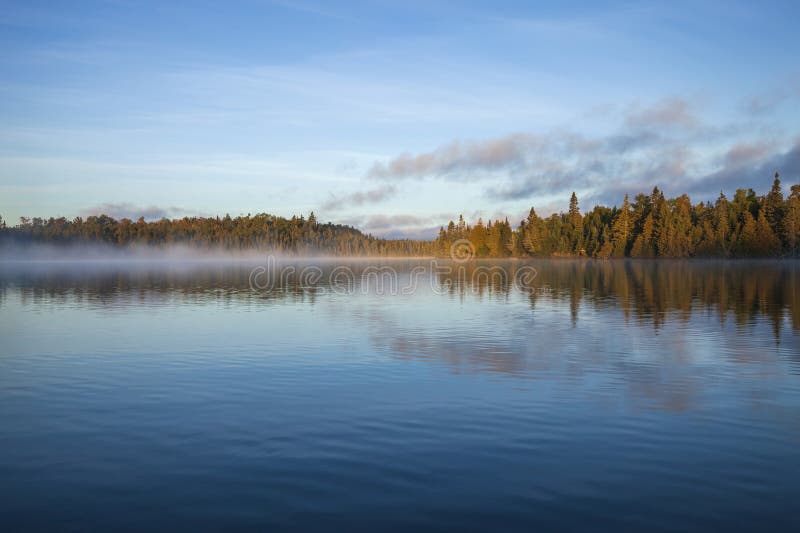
{"x": 575, "y": 222}
{"x": 773, "y": 206}
{"x": 722, "y": 230}
{"x": 681, "y": 244}
{"x": 461, "y": 228}
{"x": 621, "y": 232}
{"x": 768, "y": 243}
{"x": 492, "y": 239}
{"x": 791, "y": 222}
{"x": 506, "y": 239}
{"x": 653, "y": 226}
{"x": 477, "y": 236}
{"x": 747, "y": 241}
{"x": 532, "y": 234}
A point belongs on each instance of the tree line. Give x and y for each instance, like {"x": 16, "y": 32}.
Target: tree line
{"x": 292, "y": 236}
{"x": 748, "y": 225}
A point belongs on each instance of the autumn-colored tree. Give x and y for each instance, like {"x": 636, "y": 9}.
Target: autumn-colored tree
{"x": 767, "y": 243}
{"x": 532, "y": 234}
{"x": 477, "y": 236}
{"x": 773, "y": 206}
{"x": 652, "y": 226}
{"x": 575, "y": 222}
{"x": 747, "y": 241}
{"x": 621, "y": 231}
{"x": 791, "y": 222}
{"x": 722, "y": 229}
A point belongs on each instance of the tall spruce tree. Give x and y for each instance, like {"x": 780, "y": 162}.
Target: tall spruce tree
{"x": 773, "y": 206}
{"x": 791, "y": 222}
{"x": 532, "y": 234}
{"x": 575, "y": 222}
{"x": 621, "y": 231}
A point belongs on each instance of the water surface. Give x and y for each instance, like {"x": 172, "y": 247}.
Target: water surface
{"x": 625, "y": 395}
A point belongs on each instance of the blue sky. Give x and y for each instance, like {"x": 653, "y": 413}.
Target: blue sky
{"x": 393, "y": 117}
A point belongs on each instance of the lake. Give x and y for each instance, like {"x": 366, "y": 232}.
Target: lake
{"x": 400, "y": 394}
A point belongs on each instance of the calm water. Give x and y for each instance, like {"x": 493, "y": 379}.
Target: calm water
{"x": 621, "y": 395}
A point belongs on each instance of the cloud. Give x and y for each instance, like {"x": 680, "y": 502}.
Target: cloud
{"x": 750, "y": 174}
{"x": 747, "y": 152}
{"x": 663, "y": 144}
{"x": 545, "y": 158}
{"x": 393, "y": 221}
{"x": 767, "y": 102}
{"x": 372, "y": 196}
{"x": 461, "y": 156}
{"x": 665, "y": 113}
{"x": 400, "y": 226}
{"x": 132, "y": 212}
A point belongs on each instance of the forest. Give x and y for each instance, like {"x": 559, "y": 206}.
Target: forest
{"x": 650, "y": 226}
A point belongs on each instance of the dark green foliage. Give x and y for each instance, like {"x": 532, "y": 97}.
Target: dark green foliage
{"x": 295, "y": 236}
{"x": 651, "y": 226}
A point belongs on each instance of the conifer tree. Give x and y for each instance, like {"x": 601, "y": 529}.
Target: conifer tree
{"x": 575, "y": 221}
{"x": 773, "y": 206}
{"x": 747, "y": 240}
{"x": 682, "y": 228}
{"x": 621, "y": 231}
{"x": 791, "y": 222}
{"x": 768, "y": 243}
{"x": 477, "y": 236}
{"x": 493, "y": 239}
{"x": 721, "y": 243}
{"x": 532, "y": 235}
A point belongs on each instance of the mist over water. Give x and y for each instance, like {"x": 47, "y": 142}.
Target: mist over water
{"x": 174, "y": 393}
{"x": 100, "y": 253}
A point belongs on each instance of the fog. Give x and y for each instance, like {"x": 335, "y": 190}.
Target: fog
{"x": 12, "y": 253}
{"x": 19, "y": 255}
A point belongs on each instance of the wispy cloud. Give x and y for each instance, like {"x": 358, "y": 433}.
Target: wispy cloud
{"x": 359, "y": 198}
{"x": 461, "y": 156}
{"x": 133, "y": 212}
{"x": 768, "y": 101}
{"x": 665, "y": 113}
{"x": 520, "y": 152}
{"x": 400, "y": 226}
{"x": 665, "y": 144}
{"x": 754, "y": 170}
{"x": 746, "y": 152}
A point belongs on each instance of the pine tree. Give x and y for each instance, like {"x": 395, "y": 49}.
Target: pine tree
{"x": 494, "y": 239}
{"x": 575, "y": 221}
{"x": 621, "y": 230}
{"x": 642, "y": 243}
{"x": 791, "y": 222}
{"x": 532, "y": 234}
{"x": 662, "y": 234}
{"x": 747, "y": 240}
{"x": 682, "y": 228}
{"x": 773, "y": 206}
{"x": 506, "y": 239}
{"x": 767, "y": 243}
{"x": 451, "y": 231}
{"x": 722, "y": 231}
{"x": 477, "y": 236}
{"x": 443, "y": 245}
